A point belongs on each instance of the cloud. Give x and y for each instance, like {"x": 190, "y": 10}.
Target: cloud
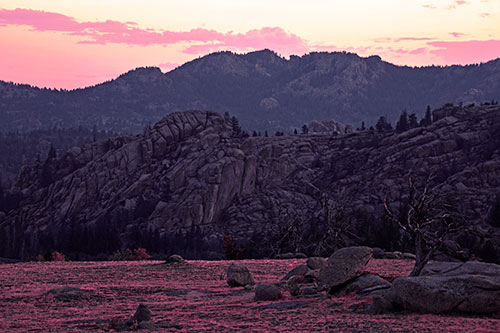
{"x": 401, "y": 39}
{"x": 466, "y": 52}
{"x": 456, "y": 34}
{"x": 429, "y": 6}
{"x": 109, "y": 31}
{"x": 485, "y": 15}
{"x": 457, "y": 3}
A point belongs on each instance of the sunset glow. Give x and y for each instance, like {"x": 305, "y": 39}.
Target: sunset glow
{"x": 69, "y": 44}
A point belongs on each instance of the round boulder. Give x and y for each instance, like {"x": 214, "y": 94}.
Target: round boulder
{"x": 267, "y": 292}
{"x": 238, "y": 276}
{"x": 175, "y": 259}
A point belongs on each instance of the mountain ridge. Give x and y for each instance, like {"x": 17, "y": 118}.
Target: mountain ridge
{"x": 264, "y": 90}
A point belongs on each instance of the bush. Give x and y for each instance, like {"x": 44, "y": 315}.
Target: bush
{"x": 232, "y": 251}
{"x": 126, "y": 255}
{"x": 51, "y": 256}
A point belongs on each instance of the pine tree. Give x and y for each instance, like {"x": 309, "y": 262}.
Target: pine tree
{"x": 363, "y": 128}
{"x": 402, "y": 124}
{"x": 428, "y": 116}
{"x": 235, "y": 124}
{"x": 412, "y": 121}
{"x": 305, "y": 130}
{"x": 383, "y": 125}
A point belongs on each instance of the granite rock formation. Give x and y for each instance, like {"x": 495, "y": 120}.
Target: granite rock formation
{"x": 189, "y": 178}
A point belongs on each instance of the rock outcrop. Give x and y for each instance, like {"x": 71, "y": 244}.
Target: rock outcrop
{"x": 469, "y": 287}
{"x": 189, "y": 180}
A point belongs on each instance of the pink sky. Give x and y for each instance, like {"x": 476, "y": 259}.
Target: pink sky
{"x": 47, "y": 44}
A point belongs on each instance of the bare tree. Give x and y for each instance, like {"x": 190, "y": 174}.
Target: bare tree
{"x": 288, "y": 234}
{"x": 338, "y": 222}
{"x": 428, "y": 221}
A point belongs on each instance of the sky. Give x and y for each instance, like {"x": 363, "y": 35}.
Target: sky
{"x": 73, "y": 43}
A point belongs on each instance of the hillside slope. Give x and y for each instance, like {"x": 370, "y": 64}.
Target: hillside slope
{"x": 184, "y": 184}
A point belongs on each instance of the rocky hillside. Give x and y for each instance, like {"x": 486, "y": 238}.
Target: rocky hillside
{"x": 265, "y": 91}
{"x": 187, "y": 182}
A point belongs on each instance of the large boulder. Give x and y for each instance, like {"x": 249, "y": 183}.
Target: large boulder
{"x": 267, "y": 292}
{"x": 344, "y": 265}
{"x": 470, "y": 287}
{"x": 239, "y": 276}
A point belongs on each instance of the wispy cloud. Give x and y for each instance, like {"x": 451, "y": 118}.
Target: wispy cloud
{"x": 109, "y": 31}
{"x": 457, "y": 34}
{"x": 401, "y": 39}
{"x": 457, "y": 3}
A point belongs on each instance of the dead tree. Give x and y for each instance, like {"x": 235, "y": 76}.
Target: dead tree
{"x": 337, "y": 223}
{"x": 428, "y": 221}
{"x": 288, "y": 233}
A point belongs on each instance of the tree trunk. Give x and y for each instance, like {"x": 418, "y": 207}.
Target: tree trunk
{"x": 421, "y": 258}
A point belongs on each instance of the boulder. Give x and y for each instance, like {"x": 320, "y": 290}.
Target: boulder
{"x": 298, "y": 270}
{"x": 379, "y": 305}
{"x": 267, "y": 292}
{"x": 457, "y": 269}
{"x": 315, "y": 262}
{"x": 239, "y": 276}
{"x": 294, "y": 284}
{"x": 378, "y": 253}
{"x": 411, "y": 256}
{"x": 344, "y": 265}
{"x": 143, "y": 313}
{"x": 175, "y": 259}
{"x": 364, "y": 283}
{"x": 446, "y": 287}
{"x": 312, "y": 274}
{"x": 290, "y": 255}
{"x": 68, "y": 293}
{"x": 146, "y": 325}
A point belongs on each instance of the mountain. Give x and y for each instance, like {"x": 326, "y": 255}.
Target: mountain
{"x": 265, "y": 91}
{"x": 184, "y": 184}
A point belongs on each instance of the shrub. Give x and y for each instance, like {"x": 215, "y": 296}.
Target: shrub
{"x": 233, "y": 252}
{"x": 51, "y": 256}
{"x": 127, "y": 254}
{"x": 141, "y": 254}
